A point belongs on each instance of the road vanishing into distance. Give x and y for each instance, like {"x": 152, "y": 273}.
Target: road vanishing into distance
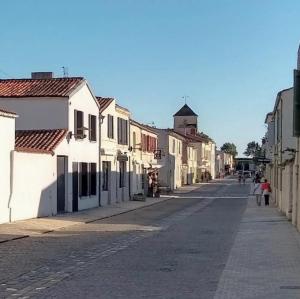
{"x": 174, "y": 249}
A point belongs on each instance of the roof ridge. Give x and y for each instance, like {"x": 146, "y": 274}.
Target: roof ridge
{"x": 42, "y": 79}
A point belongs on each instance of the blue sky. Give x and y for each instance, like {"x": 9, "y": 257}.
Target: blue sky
{"x": 230, "y": 57}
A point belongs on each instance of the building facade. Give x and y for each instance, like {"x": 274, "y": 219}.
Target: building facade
{"x": 115, "y": 152}
{"x": 62, "y": 104}
{"x": 143, "y": 157}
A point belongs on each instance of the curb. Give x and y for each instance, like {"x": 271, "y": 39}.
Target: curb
{"x": 103, "y": 217}
{"x": 124, "y": 212}
{"x": 14, "y": 239}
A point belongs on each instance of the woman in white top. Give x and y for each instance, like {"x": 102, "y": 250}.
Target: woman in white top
{"x": 258, "y": 192}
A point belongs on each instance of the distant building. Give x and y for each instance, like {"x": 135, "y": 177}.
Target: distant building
{"x": 186, "y": 123}
{"x": 114, "y": 152}
{"x": 144, "y": 156}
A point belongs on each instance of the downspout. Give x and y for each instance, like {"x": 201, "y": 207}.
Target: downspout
{"x": 99, "y": 159}
{"x": 11, "y": 182}
{"x": 129, "y": 161}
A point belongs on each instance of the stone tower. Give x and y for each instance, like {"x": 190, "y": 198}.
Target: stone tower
{"x": 186, "y": 121}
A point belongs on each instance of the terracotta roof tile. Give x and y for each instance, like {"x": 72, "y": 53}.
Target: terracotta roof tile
{"x": 52, "y": 87}
{"x": 39, "y": 141}
{"x": 7, "y": 113}
{"x": 142, "y": 126}
{"x": 104, "y": 103}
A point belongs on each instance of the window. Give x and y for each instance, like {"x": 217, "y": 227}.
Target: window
{"x": 78, "y": 124}
{"x": 122, "y": 131}
{"x": 83, "y": 180}
{"x": 105, "y": 175}
{"x": 122, "y": 172}
{"x": 173, "y": 147}
{"x": 134, "y": 141}
{"x": 92, "y": 127}
{"x": 144, "y": 142}
{"x": 148, "y": 138}
{"x": 110, "y": 126}
{"x": 93, "y": 179}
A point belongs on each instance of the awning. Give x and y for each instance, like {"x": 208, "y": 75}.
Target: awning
{"x": 157, "y": 166}
{"x": 146, "y": 165}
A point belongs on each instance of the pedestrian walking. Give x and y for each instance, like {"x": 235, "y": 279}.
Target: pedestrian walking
{"x": 240, "y": 178}
{"x": 266, "y": 190}
{"x": 257, "y": 191}
{"x": 243, "y": 179}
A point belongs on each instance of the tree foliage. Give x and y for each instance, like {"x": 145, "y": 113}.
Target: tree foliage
{"x": 229, "y": 148}
{"x": 253, "y": 150}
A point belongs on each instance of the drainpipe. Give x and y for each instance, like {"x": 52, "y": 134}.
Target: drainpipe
{"x": 129, "y": 161}
{"x": 99, "y": 158}
{"x": 11, "y": 182}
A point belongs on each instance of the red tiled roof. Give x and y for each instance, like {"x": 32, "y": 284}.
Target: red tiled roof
{"x": 123, "y": 108}
{"x": 104, "y": 103}
{"x": 39, "y": 141}
{"x": 52, "y": 87}
{"x": 7, "y": 113}
{"x": 199, "y": 137}
{"x": 142, "y": 126}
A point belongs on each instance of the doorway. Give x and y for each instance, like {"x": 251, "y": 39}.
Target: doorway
{"x": 75, "y": 186}
{"x": 62, "y": 168}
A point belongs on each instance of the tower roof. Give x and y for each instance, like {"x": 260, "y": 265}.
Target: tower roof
{"x": 185, "y": 111}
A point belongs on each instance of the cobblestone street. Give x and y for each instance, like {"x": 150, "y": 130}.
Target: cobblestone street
{"x": 212, "y": 242}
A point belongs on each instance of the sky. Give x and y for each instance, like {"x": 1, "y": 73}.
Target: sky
{"x": 229, "y": 58}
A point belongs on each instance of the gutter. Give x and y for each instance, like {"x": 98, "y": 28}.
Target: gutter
{"x": 11, "y": 181}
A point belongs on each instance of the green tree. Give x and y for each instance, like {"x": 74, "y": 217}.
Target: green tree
{"x": 253, "y": 150}
{"x": 229, "y": 148}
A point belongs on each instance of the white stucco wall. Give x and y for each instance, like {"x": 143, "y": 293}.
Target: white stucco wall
{"x": 109, "y": 152}
{"x": 82, "y": 150}
{"x": 192, "y": 164}
{"x": 7, "y": 137}
{"x": 34, "y": 186}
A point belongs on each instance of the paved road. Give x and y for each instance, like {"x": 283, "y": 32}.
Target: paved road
{"x": 175, "y": 249}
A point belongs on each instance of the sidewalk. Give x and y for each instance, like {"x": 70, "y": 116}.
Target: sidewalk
{"x": 38, "y": 226}
{"x": 264, "y": 261}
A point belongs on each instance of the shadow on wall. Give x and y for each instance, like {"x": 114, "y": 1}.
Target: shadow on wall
{"x": 69, "y": 192}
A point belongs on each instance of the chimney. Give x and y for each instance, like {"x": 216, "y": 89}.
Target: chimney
{"x": 41, "y": 75}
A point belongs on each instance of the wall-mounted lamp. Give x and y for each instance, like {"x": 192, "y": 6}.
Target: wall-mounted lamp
{"x": 101, "y": 118}
{"x": 70, "y": 134}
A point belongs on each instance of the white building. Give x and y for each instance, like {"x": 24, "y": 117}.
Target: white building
{"x": 224, "y": 163}
{"x": 7, "y": 136}
{"x": 143, "y": 151}
{"x": 171, "y": 146}
{"x": 115, "y": 152}
{"x": 39, "y": 183}
{"x": 186, "y": 123}
{"x": 68, "y": 105}
{"x": 284, "y": 147}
